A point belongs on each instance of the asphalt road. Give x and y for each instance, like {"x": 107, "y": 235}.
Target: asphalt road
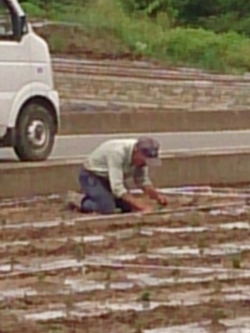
{"x": 76, "y": 146}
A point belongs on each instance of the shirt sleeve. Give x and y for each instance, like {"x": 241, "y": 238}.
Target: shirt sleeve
{"x": 115, "y": 171}
{"x": 141, "y": 176}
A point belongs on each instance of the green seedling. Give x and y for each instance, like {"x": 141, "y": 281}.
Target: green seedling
{"x": 137, "y": 229}
{"x": 3, "y": 221}
{"x": 217, "y": 315}
{"x": 108, "y": 279}
{"x": 201, "y": 245}
{"x": 236, "y": 262}
{"x": 194, "y": 219}
{"x": 217, "y": 286}
{"x": 138, "y": 327}
{"x": 41, "y": 277}
{"x": 143, "y": 247}
{"x": 12, "y": 263}
{"x": 80, "y": 252}
{"x": 145, "y": 297}
{"x": 176, "y": 272}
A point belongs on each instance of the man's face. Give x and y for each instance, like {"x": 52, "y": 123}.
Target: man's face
{"x": 138, "y": 159}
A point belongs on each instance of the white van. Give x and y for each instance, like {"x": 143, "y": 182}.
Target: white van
{"x": 29, "y": 104}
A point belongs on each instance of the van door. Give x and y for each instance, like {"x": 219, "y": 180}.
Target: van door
{"x": 14, "y": 62}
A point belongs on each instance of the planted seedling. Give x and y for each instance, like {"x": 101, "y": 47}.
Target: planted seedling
{"x": 69, "y": 303}
{"x": 80, "y": 252}
{"x": 217, "y": 286}
{"x": 176, "y": 273}
{"x": 145, "y": 299}
{"x": 201, "y": 245}
{"x": 3, "y": 221}
{"x": 236, "y": 262}
{"x": 143, "y": 247}
{"x": 108, "y": 279}
{"x": 137, "y": 229}
{"x": 195, "y": 219}
{"x": 138, "y": 327}
{"x": 41, "y": 277}
{"x": 13, "y": 261}
{"x": 217, "y": 315}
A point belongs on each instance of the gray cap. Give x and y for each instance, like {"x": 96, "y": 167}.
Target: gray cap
{"x": 149, "y": 148}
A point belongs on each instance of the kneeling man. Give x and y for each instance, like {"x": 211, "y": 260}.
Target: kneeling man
{"x": 103, "y": 175}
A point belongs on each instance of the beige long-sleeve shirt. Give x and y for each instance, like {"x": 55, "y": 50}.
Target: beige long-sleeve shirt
{"x": 113, "y": 160}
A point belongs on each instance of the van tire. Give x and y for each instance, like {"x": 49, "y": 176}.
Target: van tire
{"x": 34, "y": 132}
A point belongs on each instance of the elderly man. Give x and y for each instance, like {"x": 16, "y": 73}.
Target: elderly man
{"x": 103, "y": 175}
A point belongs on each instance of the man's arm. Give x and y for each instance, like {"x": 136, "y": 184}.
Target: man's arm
{"x": 143, "y": 181}
{"x": 150, "y": 191}
{"x": 117, "y": 183}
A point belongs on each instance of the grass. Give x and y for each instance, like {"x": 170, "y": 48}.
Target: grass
{"x": 106, "y": 30}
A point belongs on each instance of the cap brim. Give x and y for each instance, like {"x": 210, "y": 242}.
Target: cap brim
{"x": 153, "y": 162}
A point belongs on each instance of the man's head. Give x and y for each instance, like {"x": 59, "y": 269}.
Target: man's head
{"x": 146, "y": 152}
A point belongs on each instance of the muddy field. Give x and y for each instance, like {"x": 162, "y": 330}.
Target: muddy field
{"x": 162, "y": 273}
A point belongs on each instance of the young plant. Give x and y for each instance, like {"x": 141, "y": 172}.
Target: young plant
{"x": 217, "y": 315}
{"x": 145, "y": 299}
{"x": 12, "y": 263}
{"x": 80, "y": 252}
{"x": 137, "y": 229}
{"x": 143, "y": 247}
{"x": 41, "y": 276}
{"x": 108, "y": 279}
{"x": 138, "y": 327}
{"x": 236, "y": 262}
{"x": 69, "y": 303}
{"x": 201, "y": 244}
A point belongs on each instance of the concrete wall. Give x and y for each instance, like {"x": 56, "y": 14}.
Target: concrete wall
{"x": 137, "y": 122}
{"x": 26, "y": 179}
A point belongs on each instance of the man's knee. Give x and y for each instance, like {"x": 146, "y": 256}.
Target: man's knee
{"x": 98, "y": 205}
{"x": 106, "y": 206}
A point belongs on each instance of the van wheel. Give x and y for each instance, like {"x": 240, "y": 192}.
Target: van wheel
{"x": 35, "y": 132}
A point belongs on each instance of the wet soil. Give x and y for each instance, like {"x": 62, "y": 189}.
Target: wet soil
{"x": 62, "y": 273}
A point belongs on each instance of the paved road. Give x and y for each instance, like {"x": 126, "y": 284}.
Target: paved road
{"x": 74, "y": 146}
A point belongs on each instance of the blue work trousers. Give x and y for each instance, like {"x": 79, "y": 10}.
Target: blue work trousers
{"x": 98, "y": 195}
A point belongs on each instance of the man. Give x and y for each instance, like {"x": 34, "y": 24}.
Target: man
{"x": 103, "y": 175}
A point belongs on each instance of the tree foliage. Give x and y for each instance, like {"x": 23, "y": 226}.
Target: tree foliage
{"x": 216, "y": 15}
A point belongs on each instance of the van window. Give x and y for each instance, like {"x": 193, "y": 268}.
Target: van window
{"x": 6, "y": 27}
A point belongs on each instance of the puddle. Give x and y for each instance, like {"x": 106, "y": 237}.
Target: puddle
{"x": 236, "y": 325}
{"x": 216, "y": 250}
{"x": 130, "y": 281}
{"x": 90, "y": 309}
{"x": 85, "y": 239}
{"x": 175, "y": 280}
{"x": 87, "y": 286}
{"x": 8, "y": 268}
{"x": 229, "y": 211}
{"x": 227, "y": 226}
{"x": 47, "y": 315}
{"x": 235, "y": 225}
{"x": 47, "y": 224}
{"x": 189, "y": 328}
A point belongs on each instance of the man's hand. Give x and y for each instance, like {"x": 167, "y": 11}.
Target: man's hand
{"x": 155, "y": 195}
{"x": 138, "y": 204}
{"x": 143, "y": 207}
{"x": 162, "y": 199}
